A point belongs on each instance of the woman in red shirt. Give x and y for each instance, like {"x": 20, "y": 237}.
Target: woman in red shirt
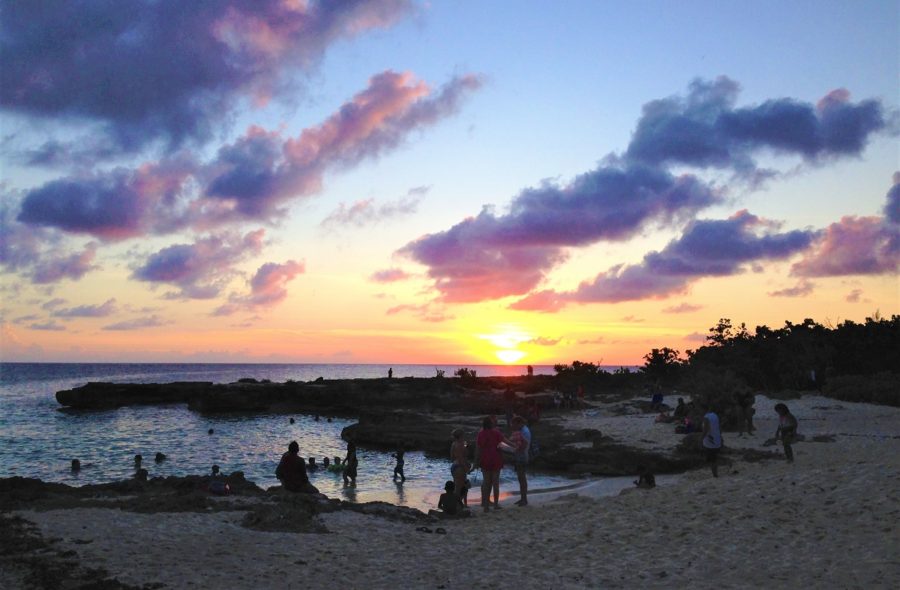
{"x": 488, "y": 457}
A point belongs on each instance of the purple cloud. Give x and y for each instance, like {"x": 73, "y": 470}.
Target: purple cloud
{"x": 390, "y": 275}
{"x": 892, "y": 207}
{"x": 492, "y": 255}
{"x": 111, "y": 206}
{"x": 50, "y": 326}
{"x": 250, "y": 179}
{"x": 88, "y": 311}
{"x": 853, "y": 246}
{"x": 137, "y": 324}
{"x": 366, "y": 212}
{"x": 708, "y": 248}
{"x": 200, "y": 270}
{"x": 705, "y": 129}
{"x": 854, "y": 296}
{"x": 51, "y": 269}
{"x": 166, "y": 70}
{"x": 683, "y": 308}
{"x": 253, "y": 177}
{"x": 268, "y": 288}
{"x": 424, "y": 312}
{"x": 53, "y": 303}
{"x": 801, "y": 289}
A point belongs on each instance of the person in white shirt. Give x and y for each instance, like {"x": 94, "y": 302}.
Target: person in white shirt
{"x": 712, "y": 440}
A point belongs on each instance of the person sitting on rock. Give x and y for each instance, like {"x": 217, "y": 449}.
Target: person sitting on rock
{"x": 291, "y": 471}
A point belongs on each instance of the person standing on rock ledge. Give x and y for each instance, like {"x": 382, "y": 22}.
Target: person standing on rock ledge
{"x": 291, "y": 471}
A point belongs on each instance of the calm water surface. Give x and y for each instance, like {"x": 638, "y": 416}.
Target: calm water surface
{"x": 39, "y": 440}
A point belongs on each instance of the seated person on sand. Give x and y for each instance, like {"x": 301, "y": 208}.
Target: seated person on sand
{"x": 450, "y": 503}
{"x": 680, "y": 409}
{"x": 645, "y": 480}
{"x": 291, "y": 471}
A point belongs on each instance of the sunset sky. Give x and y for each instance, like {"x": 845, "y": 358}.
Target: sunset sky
{"x": 391, "y": 181}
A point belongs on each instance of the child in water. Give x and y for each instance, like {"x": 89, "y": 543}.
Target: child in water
{"x": 350, "y": 464}
{"x": 398, "y": 469}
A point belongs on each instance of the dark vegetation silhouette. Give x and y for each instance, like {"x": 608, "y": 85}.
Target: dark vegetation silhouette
{"x": 850, "y": 361}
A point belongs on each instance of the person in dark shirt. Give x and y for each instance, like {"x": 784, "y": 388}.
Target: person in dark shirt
{"x": 398, "y": 469}
{"x": 787, "y": 430}
{"x": 449, "y": 501}
{"x": 291, "y": 471}
{"x": 645, "y": 480}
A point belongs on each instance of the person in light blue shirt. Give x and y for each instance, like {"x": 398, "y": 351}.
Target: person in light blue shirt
{"x": 712, "y": 440}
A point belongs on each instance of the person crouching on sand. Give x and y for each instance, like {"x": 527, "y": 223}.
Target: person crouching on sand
{"x": 291, "y": 471}
{"x": 787, "y": 430}
{"x": 490, "y": 460}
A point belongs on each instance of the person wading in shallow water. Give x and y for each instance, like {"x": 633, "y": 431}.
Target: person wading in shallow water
{"x": 350, "y": 464}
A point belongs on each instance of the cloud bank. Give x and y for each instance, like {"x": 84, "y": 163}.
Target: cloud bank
{"x": 166, "y": 71}
{"x": 495, "y": 255}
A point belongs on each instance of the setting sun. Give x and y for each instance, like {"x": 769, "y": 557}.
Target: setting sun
{"x": 509, "y": 356}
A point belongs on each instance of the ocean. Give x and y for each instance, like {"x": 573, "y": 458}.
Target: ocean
{"x": 38, "y": 439}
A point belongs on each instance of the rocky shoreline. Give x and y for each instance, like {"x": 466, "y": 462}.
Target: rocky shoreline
{"x": 419, "y": 413}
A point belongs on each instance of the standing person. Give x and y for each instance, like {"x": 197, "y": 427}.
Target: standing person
{"x": 745, "y": 401}
{"x": 712, "y": 440}
{"x": 521, "y": 438}
{"x": 459, "y": 466}
{"x": 398, "y": 469}
{"x": 391, "y": 373}
{"x": 291, "y": 471}
{"x": 787, "y": 430}
{"x": 350, "y": 464}
{"x": 491, "y": 462}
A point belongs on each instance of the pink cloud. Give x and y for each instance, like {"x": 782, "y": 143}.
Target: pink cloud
{"x": 801, "y": 289}
{"x": 682, "y": 308}
{"x": 853, "y": 246}
{"x": 268, "y": 288}
{"x": 390, "y": 275}
{"x": 201, "y": 269}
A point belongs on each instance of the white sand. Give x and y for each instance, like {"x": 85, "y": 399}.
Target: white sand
{"x": 827, "y": 521}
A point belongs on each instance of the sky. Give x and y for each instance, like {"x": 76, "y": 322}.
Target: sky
{"x": 394, "y": 181}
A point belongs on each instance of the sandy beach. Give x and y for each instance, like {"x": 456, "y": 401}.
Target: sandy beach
{"x": 827, "y": 521}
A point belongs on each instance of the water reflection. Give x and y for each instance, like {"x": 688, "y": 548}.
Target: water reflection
{"x": 38, "y": 440}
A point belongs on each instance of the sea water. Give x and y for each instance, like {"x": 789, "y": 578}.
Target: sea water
{"x": 39, "y": 439}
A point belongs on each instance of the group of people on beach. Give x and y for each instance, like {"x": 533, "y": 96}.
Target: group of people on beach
{"x": 712, "y": 441}
{"x": 490, "y": 445}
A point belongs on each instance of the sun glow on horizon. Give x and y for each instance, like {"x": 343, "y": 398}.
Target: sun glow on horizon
{"x": 509, "y": 356}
